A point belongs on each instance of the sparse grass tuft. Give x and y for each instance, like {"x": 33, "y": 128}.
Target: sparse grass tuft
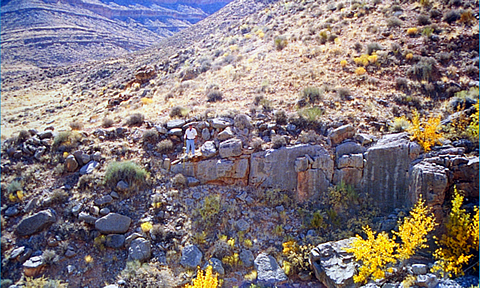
{"x": 135, "y": 119}
{"x": 280, "y": 42}
{"x": 311, "y": 95}
{"x": 394, "y": 22}
{"x": 127, "y": 171}
{"x": 214, "y": 96}
{"x": 76, "y": 125}
{"x": 373, "y": 47}
{"x": 451, "y": 16}
{"x": 107, "y": 122}
{"x": 178, "y": 111}
{"x": 165, "y": 146}
{"x": 423, "y": 20}
{"x": 150, "y": 136}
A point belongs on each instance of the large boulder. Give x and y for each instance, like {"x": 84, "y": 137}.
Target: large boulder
{"x": 268, "y": 270}
{"x": 113, "y": 223}
{"x": 275, "y": 168}
{"x": 332, "y": 265}
{"x": 221, "y": 170}
{"x": 385, "y": 173}
{"x": 36, "y": 223}
{"x": 230, "y": 148}
{"x": 431, "y": 181}
{"x": 208, "y": 149}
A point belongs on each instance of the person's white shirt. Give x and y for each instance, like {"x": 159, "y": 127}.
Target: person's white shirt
{"x": 191, "y": 133}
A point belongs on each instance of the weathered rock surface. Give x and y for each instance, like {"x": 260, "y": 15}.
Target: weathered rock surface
{"x": 341, "y": 133}
{"x": 216, "y": 170}
{"x": 230, "y": 148}
{"x": 36, "y": 223}
{"x": 191, "y": 257}
{"x": 332, "y": 265}
{"x": 113, "y": 223}
{"x": 140, "y": 249}
{"x": 71, "y": 163}
{"x": 208, "y": 149}
{"x": 268, "y": 270}
{"x": 385, "y": 172}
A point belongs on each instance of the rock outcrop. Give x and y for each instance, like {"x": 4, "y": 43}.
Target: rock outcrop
{"x": 332, "y": 265}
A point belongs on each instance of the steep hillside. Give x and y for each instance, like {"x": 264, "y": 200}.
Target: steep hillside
{"x": 48, "y": 34}
{"x": 294, "y": 103}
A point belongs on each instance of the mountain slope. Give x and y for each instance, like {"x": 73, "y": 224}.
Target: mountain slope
{"x": 39, "y": 33}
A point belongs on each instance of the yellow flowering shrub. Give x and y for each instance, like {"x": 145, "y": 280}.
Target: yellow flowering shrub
{"x": 426, "y": 132}
{"x": 412, "y": 31}
{"x": 297, "y": 257}
{"x": 362, "y": 60}
{"x": 472, "y": 128}
{"x": 343, "y": 63}
{"x": 204, "y": 280}
{"x": 360, "y": 71}
{"x": 146, "y": 226}
{"x": 379, "y": 252}
{"x": 461, "y": 238}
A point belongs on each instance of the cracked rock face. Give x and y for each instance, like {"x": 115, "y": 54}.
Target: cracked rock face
{"x": 332, "y": 265}
{"x": 36, "y": 223}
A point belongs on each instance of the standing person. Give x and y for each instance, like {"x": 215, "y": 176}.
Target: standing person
{"x": 190, "y": 137}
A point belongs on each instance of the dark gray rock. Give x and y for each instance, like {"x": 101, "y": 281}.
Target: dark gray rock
{"x": 36, "y": 223}
{"x": 191, "y": 257}
{"x": 122, "y": 186}
{"x": 115, "y": 241}
{"x": 205, "y": 134}
{"x": 419, "y": 269}
{"x": 332, "y": 265}
{"x": 348, "y": 148}
{"x": 217, "y": 266}
{"x": 33, "y": 266}
{"x": 176, "y": 131}
{"x": 11, "y": 211}
{"x": 192, "y": 182}
{"x": 89, "y": 167}
{"x": 113, "y": 223}
{"x": 268, "y": 270}
{"x": 45, "y": 134}
{"x": 385, "y": 173}
{"x": 230, "y": 148}
{"x": 160, "y": 129}
{"x": 87, "y": 218}
{"x": 106, "y": 199}
{"x": 246, "y": 256}
{"x": 208, "y": 149}
{"x": 351, "y": 161}
{"x": 140, "y": 249}
{"x": 242, "y": 225}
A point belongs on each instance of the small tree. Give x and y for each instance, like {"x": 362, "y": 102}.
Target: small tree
{"x": 461, "y": 238}
{"x": 379, "y": 252}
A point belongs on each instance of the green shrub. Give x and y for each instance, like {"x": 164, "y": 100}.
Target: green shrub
{"x": 424, "y": 70}
{"x": 178, "y": 111}
{"x": 107, "y": 122}
{"x": 401, "y": 83}
{"x": 43, "y": 282}
{"x": 451, "y": 16}
{"x": 256, "y": 143}
{"x": 344, "y": 93}
{"x": 312, "y": 113}
{"x": 280, "y": 117}
{"x": 150, "y": 136}
{"x": 165, "y": 146}
{"x": 135, "y": 119}
{"x": 280, "y": 42}
{"x": 127, "y": 171}
{"x": 311, "y": 95}
{"x": 358, "y": 47}
{"x": 214, "y": 96}
{"x": 75, "y": 125}
{"x": 69, "y": 139}
{"x": 372, "y": 47}
{"x": 423, "y": 19}
{"x": 393, "y": 22}
{"x": 14, "y": 186}
{"x": 210, "y": 208}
